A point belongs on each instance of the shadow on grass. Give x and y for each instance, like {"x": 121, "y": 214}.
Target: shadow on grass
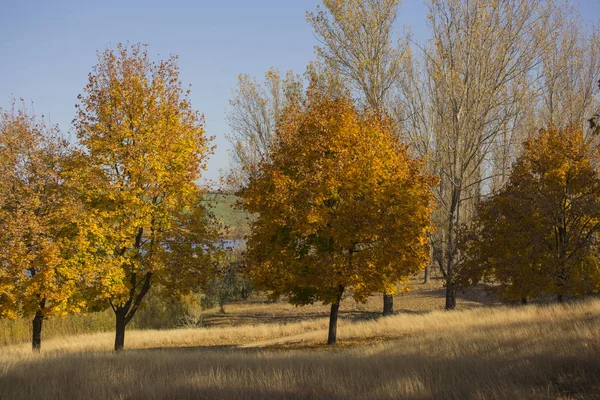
{"x": 476, "y": 366}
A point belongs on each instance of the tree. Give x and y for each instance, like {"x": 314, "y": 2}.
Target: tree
{"x": 340, "y": 207}
{"x": 569, "y": 75}
{"x": 539, "y": 235}
{"x": 464, "y": 108}
{"x": 357, "y": 44}
{"x": 357, "y": 41}
{"x": 39, "y": 271}
{"x": 252, "y": 117}
{"x": 228, "y": 283}
{"x": 144, "y": 149}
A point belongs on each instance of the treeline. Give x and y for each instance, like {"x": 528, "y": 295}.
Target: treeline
{"x": 494, "y": 103}
{"x": 470, "y": 152}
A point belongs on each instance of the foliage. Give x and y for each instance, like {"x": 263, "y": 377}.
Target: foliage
{"x": 144, "y": 149}
{"x": 228, "y": 283}
{"x": 39, "y": 273}
{"x": 341, "y": 205}
{"x": 539, "y": 234}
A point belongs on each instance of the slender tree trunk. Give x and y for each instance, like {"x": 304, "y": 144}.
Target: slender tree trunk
{"x": 333, "y": 317}
{"x": 388, "y": 304}
{"x": 120, "y": 315}
{"x": 450, "y": 289}
{"x": 524, "y": 300}
{"x": 560, "y": 298}
{"x": 427, "y": 273}
{"x": 451, "y": 249}
{"x": 36, "y": 338}
{"x": 450, "y": 296}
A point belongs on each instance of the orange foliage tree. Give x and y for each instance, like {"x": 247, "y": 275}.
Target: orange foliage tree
{"x": 539, "y": 234}
{"x": 340, "y": 205}
{"x": 39, "y": 272}
{"x": 144, "y": 150}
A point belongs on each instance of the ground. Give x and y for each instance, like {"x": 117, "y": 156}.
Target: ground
{"x": 259, "y": 350}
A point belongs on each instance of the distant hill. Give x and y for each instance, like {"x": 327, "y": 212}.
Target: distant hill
{"x": 235, "y": 221}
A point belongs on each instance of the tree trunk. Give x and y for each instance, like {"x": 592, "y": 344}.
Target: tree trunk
{"x": 124, "y": 313}
{"x": 560, "y": 298}
{"x": 524, "y": 300}
{"x": 427, "y": 273}
{"x": 333, "y": 317}
{"x": 120, "y": 314}
{"x": 36, "y": 338}
{"x": 388, "y": 304}
{"x": 450, "y": 296}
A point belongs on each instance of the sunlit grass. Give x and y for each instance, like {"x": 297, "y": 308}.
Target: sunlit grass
{"x": 532, "y": 352}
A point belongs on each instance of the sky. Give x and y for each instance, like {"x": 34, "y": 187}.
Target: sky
{"x": 47, "y": 48}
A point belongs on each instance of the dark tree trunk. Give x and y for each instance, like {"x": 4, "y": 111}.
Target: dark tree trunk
{"x": 524, "y": 300}
{"x": 120, "y": 315}
{"x": 333, "y": 317}
{"x": 388, "y": 304}
{"x": 124, "y": 313}
{"x": 427, "y": 273}
{"x": 36, "y": 338}
{"x": 560, "y": 298}
{"x": 450, "y": 296}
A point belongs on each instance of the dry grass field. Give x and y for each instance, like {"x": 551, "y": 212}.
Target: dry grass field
{"x": 275, "y": 351}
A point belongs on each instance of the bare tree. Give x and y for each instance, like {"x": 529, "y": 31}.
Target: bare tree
{"x": 462, "y": 103}
{"x": 357, "y": 39}
{"x": 570, "y": 74}
{"x": 252, "y": 117}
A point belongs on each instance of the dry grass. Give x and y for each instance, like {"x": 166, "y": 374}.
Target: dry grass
{"x": 536, "y": 352}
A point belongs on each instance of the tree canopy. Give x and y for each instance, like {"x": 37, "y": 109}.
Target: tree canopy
{"x": 340, "y": 206}
{"x": 539, "y": 234}
{"x": 144, "y": 150}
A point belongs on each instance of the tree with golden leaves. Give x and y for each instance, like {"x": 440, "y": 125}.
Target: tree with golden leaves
{"x": 539, "y": 235}
{"x": 358, "y": 44}
{"x": 39, "y": 271}
{"x": 341, "y": 206}
{"x": 145, "y": 148}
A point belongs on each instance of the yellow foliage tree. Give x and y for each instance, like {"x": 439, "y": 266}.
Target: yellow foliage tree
{"x": 39, "y": 271}
{"x": 539, "y": 234}
{"x": 340, "y": 206}
{"x": 144, "y": 150}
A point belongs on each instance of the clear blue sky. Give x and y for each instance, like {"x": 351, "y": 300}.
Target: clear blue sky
{"x": 48, "y": 47}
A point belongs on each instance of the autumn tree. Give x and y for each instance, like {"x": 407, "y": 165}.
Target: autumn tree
{"x": 357, "y": 42}
{"x": 39, "y": 271}
{"x": 539, "y": 235}
{"x": 144, "y": 150}
{"x": 340, "y": 207}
